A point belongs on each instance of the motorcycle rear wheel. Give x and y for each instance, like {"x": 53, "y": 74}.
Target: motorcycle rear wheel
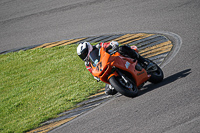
{"x": 156, "y": 76}
{"x": 127, "y": 89}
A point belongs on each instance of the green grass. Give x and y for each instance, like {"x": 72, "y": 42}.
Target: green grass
{"x": 36, "y": 85}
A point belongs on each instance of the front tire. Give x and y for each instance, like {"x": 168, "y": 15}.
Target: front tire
{"x": 127, "y": 89}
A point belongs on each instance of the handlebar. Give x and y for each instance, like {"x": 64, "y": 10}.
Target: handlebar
{"x": 114, "y": 51}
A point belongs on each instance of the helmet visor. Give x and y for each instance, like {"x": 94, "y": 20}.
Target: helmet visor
{"x": 83, "y": 54}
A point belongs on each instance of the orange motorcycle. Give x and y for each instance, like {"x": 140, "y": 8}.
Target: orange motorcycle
{"x": 125, "y": 74}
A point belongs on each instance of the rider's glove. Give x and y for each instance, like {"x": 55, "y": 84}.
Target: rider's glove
{"x": 98, "y": 46}
{"x": 114, "y": 45}
{"x": 87, "y": 63}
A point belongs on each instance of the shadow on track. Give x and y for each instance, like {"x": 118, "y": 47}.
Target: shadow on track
{"x": 165, "y": 81}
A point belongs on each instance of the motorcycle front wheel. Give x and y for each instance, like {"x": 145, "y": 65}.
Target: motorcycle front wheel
{"x": 128, "y": 89}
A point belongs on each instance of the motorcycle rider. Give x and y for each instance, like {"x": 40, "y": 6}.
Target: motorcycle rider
{"x": 85, "y": 48}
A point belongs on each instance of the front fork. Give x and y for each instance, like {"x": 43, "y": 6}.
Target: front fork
{"x": 122, "y": 75}
{"x": 117, "y": 72}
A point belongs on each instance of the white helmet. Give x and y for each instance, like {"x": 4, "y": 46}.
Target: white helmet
{"x": 84, "y": 49}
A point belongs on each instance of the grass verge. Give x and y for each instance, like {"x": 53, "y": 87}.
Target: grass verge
{"x": 36, "y": 85}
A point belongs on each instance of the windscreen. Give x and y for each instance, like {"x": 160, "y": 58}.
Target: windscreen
{"x": 94, "y": 57}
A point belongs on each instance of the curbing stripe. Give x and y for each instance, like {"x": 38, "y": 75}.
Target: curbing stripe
{"x": 98, "y": 94}
{"x": 49, "y": 127}
{"x": 155, "y": 47}
{"x": 130, "y": 39}
{"x": 151, "y": 41}
{"x": 122, "y": 37}
{"x": 111, "y": 38}
{"x": 159, "y": 56}
{"x": 140, "y": 42}
{"x": 142, "y": 39}
{"x": 57, "y": 44}
{"x": 152, "y": 44}
{"x": 157, "y": 50}
{"x": 89, "y": 39}
{"x": 136, "y": 41}
{"x": 99, "y": 39}
{"x": 73, "y": 41}
{"x": 44, "y": 45}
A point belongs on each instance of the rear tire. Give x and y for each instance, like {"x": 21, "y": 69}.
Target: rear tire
{"x": 129, "y": 90}
{"x": 156, "y": 76}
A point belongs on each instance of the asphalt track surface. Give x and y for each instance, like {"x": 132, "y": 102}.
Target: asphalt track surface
{"x": 172, "y": 106}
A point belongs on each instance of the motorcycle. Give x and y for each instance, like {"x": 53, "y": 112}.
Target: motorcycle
{"x": 125, "y": 74}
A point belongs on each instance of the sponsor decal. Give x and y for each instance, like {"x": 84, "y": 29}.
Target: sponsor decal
{"x": 140, "y": 73}
{"x": 127, "y": 64}
{"x": 99, "y": 66}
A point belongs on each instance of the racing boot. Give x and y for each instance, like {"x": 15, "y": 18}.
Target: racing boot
{"x": 109, "y": 90}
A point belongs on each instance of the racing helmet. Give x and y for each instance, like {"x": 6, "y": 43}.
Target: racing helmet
{"x": 83, "y": 50}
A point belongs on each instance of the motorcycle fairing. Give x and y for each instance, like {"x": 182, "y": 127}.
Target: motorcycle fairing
{"x": 103, "y": 69}
{"x": 128, "y": 65}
